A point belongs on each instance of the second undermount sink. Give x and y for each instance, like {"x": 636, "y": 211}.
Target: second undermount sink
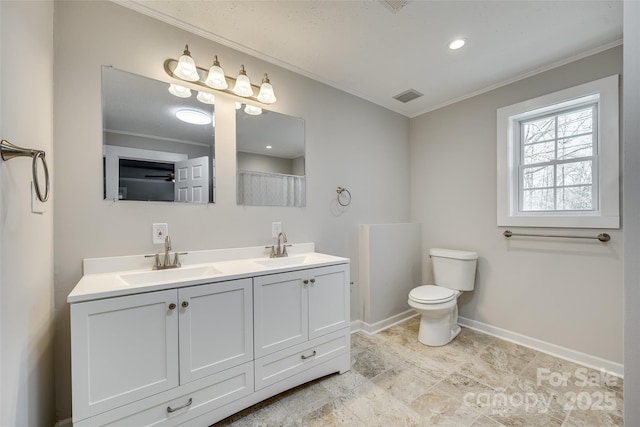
{"x": 288, "y": 261}
{"x": 168, "y": 276}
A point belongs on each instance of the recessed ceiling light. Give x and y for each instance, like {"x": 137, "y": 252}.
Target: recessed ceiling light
{"x": 194, "y": 117}
{"x": 268, "y": 147}
{"x": 456, "y": 44}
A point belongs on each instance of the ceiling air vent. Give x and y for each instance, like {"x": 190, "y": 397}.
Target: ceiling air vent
{"x": 394, "y": 5}
{"x": 408, "y": 95}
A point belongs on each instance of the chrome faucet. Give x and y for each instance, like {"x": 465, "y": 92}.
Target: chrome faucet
{"x": 279, "y": 250}
{"x": 166, "y": 260}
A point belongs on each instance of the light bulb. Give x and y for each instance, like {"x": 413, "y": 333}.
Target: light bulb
{"x": 216, "y": 78}
{"x": 243, "y": 84}
{"x": 186, "y": 68}
{"x": 206, "y": 98}
{"x": 179, "y": 91}
{"x": 266, "y": 94}
{"x": 253, "y": 110}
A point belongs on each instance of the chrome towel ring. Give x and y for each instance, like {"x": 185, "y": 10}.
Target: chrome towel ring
{"x": 9, "y": 151}
{"x": 344, "y": 196}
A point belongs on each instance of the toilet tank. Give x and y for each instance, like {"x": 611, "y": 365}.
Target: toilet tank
{"x": 454, "y": 269}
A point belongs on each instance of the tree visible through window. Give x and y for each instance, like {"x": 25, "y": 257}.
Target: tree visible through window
{"x": 558, "y": 152}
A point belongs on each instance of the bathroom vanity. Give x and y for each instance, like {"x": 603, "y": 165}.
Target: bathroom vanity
{"x": 193, "y": 345}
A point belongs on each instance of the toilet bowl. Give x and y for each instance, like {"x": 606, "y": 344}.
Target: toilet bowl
{"x": 453, "y": 272}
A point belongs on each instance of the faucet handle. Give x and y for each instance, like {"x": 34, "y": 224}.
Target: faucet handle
{"x": 157, "y": 260}
{"x": 167, "y": 243}
{"x": 284, "y": 250}
{"x": 273, "y": 251}
{"x": 176, "y": 259}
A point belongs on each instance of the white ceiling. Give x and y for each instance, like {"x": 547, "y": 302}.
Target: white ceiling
{"x": 363, "y": 48}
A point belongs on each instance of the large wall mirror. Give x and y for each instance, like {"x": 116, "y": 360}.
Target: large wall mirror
{"x": 270, "y": 153}
{"x": 157, "y": 146}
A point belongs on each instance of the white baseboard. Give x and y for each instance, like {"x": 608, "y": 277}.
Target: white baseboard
{"x": 373, "y": 328}
{"x": 575, "y": 356}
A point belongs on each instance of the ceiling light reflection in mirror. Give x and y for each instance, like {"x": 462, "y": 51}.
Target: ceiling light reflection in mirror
{"x": 149, "y": 154}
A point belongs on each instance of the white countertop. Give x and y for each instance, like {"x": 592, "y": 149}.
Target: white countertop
{"x": 118, "y": 276}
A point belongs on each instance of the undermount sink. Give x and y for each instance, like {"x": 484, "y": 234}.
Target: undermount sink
{"x": 168, "y": 276}
{"x": 286, "y": 261}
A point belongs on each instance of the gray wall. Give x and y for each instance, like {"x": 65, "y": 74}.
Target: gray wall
{"x": 564, "y": 292}
{"x": 26, "y": 261}
{"x": 372, "y": 164}
{"x": 631, "y": 205}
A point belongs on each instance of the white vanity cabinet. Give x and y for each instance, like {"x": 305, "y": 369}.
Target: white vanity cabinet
{"x": 194, "y": 351}
{"x": 301, "y": 318}
{"x": 128, "y": 348}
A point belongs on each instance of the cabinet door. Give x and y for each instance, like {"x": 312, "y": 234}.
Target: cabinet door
{"x": 216, "y": 328}
{"x": 328, "y": 299}
{"x": 122, "y": 349}
{"x": 280, "y": 310}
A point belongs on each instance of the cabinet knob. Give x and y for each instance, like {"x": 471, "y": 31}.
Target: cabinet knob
{"x": 185, "y": 304}
{"x": 305, "y": 281}
{"x": 172, "y": 306}
{"x": 313, "y": 280}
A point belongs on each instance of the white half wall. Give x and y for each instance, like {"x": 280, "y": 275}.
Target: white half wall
{"x": 565, "y": 292}
{"x": 390, "y": 266}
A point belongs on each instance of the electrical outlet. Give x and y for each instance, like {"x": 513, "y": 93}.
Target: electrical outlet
{"x": 276, "y": 228}
{"x": 160, "y": 232}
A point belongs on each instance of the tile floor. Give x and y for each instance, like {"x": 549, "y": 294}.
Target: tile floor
{"x": 476, "y": 380}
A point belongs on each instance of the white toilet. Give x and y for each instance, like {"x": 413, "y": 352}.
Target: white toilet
{"x": 453, "y": 272}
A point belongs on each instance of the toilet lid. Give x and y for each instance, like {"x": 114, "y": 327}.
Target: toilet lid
{"x": 430, "y": 294}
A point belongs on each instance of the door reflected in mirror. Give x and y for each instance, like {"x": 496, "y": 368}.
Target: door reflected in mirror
{"x": 156, "y": 146}
{"x": 271, "y": 158}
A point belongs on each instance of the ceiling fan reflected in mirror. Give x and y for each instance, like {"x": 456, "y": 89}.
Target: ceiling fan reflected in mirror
{"x": 169, "y": 177}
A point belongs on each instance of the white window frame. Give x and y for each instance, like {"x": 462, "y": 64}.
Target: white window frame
{"x": 605, "y": 167}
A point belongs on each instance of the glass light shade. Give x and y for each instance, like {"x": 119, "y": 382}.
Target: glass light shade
{"x": 243, "y": 84}
{"x": 206, "y": 98}
{"x": 194, "y": 117}
{"x": 238, "y": 105}
{"x": 253, "y": 110}
{"x": 179, "y": 91}
{"x": 186, "y": 68}
{"x": 266, "y": 94}
{"x": 216, "y": 78}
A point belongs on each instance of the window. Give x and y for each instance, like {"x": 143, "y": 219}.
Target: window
{"x": 558, "y": 159}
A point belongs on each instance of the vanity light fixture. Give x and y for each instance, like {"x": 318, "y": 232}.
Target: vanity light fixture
{"x": 252, "y": 110}
{"x": 179, "y": 91}
{"x": 186, "y": 68}
{"x": 266, "y": 94}
{"x": 194, "y": 117}
{"x": 456, "y": 44}
{"x": 243, "y": 84}
{"x": 216, "y": 78}
{"x": 206, "y": 98}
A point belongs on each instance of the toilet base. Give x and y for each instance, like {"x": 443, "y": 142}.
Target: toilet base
{"x": 436, "y": 332}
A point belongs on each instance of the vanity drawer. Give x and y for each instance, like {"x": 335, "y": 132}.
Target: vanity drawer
{"x": 214, "y": 391}
{"x": 291, "y": 361}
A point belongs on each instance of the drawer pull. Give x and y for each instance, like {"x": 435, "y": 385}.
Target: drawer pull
{"x": 305, "y": 281}
{"x": 313, "y": 280}
{"x": 170, "y": 409}
{"x": 303, "y": 357}
{"x": 172, "y": 306}
{"x": 185, "y": 304}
